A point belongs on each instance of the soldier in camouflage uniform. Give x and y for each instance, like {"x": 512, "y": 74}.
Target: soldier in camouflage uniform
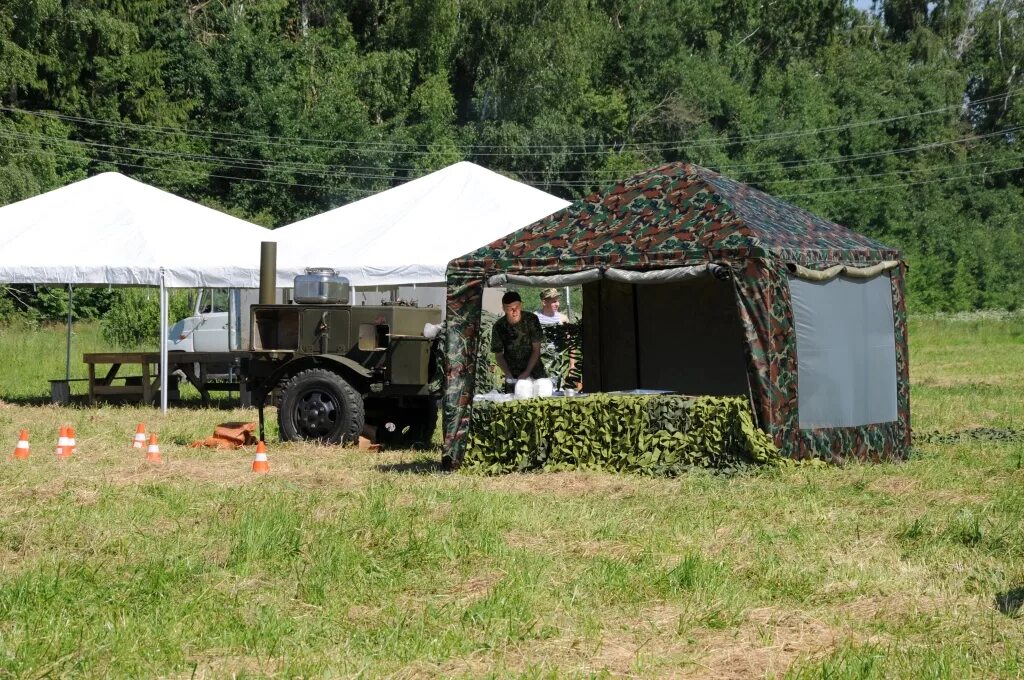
{"x": 515, "y": 341}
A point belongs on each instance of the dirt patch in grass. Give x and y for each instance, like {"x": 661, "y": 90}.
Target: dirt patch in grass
{"x": 946, "y": 497}
{"x": 768, "y": 643}
{"x": 890, "y": 607}
{"x": 558, "y": 543}
{"x": 570, "y": 484}
{"x": 209, "y": 665}
{"x": 893, "y": 485}
{"x": 472, "y": 589}
{"x": 952, "y": 381}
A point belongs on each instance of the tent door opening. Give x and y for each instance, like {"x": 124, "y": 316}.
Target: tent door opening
{"x": 683, "y": 336}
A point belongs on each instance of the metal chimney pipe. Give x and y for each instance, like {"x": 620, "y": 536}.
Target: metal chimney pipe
{"x": 268, "y": 272}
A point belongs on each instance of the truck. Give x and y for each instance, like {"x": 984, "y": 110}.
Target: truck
{"x": 339, "y": 369}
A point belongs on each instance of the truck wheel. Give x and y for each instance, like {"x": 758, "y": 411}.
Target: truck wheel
{"x": 319, "y": 405}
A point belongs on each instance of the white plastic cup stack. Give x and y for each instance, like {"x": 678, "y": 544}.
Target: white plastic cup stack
{"x": 524, "y": 389}
{"x": 543, "y": 387}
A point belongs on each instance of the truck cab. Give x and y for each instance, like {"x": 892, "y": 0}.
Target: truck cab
{"x": 215, "y": 324}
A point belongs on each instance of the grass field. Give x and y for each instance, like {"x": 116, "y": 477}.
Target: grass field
{"x": 341, "y": 563}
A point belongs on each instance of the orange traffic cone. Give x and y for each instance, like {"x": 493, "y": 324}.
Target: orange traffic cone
{"x": 260, "y": 462}
{"x": 153, "y": 452}
{"x": 21, "y": 450}
{"x": 140, "y": 436}
{"x": 72, "y": 445}
{"x": 63, "y": 443}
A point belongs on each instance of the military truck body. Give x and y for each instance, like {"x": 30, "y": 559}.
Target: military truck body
{"x": 337, "y": 367}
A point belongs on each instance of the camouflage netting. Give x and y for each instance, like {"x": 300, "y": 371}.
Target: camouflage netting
{"x": 682, "y": 215}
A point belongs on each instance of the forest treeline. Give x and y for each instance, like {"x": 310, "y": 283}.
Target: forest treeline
{"x": 903, "y": 122}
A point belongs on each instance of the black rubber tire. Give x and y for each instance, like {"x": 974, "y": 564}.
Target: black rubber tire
{"x": 319, "y": 405}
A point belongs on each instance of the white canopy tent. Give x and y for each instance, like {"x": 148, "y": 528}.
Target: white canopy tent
{"x": 408, "y": 234}
{"x": 113, "y": 230}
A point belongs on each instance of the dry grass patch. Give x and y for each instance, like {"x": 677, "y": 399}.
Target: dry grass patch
{"x": 571, "y": 484}
{"x": 768, "y": 642}
{"x": 894, "y": 485}
{"x": 210, "y": 664}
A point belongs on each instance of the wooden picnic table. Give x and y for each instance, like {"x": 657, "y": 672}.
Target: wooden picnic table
{"x": 146, "y": 386}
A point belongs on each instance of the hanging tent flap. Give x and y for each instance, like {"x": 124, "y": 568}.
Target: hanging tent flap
{"x": 462, "y": 336}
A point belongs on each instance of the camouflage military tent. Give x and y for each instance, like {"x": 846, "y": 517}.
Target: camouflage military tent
{"x": 753, "y": 296}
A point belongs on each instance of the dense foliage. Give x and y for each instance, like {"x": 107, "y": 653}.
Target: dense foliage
{"x": 657, "y": 435}
{"x": 902, "y": 123}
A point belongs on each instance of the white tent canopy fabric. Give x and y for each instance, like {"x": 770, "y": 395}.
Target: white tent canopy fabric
{"x": 113, "y": 230}
{"x": 408, "y": 234}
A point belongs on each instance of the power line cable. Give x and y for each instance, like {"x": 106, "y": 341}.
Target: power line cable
{"x": 905, "y": 184}
{"x": 738, "y": 170}
{"x": 363, "y": 192}
{"x": 342, "y": 171}
{"x": 410, "y": 148}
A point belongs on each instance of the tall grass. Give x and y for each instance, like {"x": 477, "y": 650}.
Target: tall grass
{"x": 342, "y": 563}
{"x": 30, "y": 356}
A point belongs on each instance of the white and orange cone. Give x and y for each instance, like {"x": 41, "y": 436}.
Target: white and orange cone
{"x": 153, "y": 452}
{"x": 260, "y": 462}
{"x": 63, "y": 443}
{"x": 139, "y": 441}
{"x": 72, "y": 444}
{"x": 22, "y": 448}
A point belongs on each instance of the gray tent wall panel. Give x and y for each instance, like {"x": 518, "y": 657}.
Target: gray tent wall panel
{"x": 846, "y": 351}
{"x": 683, "y": 336}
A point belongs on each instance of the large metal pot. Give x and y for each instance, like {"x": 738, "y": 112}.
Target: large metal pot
{"x": 320, "y": 285}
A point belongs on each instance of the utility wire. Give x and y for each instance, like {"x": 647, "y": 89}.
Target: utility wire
{"x": 363, "y": 193}
{"x": 342, "y": 171}
{"x": 906, "y": 184}
{"x": 533, "y": 149}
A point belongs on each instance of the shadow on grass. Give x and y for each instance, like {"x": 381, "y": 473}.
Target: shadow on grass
{"x": 1011, "y": 601}
{"x": 82, "y": 401}
{"x": 25, "y": 401}
{"x": 421, "y": 466}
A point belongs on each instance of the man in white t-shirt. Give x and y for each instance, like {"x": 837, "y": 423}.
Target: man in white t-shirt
{"x": 549, "y": 314}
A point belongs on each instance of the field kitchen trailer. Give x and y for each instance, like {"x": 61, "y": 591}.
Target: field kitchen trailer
{"x": 335, "y": 367}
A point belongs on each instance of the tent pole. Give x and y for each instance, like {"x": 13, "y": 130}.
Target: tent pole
{"x": 67, "y": 362}
{"x": 568, "y": 303}
{"x": 163, "y": 342}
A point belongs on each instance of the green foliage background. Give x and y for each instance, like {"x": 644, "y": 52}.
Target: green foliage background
{"x": 902, "y": 123}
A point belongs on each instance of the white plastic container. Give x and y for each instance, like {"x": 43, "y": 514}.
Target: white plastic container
{"x": 524, "y": 389}
{"x": 543, "y": 387}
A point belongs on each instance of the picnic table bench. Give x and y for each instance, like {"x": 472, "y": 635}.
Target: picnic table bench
{"x": 145, "y": 386}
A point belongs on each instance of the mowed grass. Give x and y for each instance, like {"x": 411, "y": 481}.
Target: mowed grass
{"x": 343, "y": 563}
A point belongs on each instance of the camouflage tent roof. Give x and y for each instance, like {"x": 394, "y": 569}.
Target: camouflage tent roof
{"x": 671, "y": 215}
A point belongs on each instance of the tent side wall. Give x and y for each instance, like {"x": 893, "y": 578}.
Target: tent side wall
{"x": 766, "y": 309}
{"x": 888, "y": 440}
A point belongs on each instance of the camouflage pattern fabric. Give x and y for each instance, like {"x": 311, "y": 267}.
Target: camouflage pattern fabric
{"x": 680, "y": 214}
{"x": 516, "y": 343}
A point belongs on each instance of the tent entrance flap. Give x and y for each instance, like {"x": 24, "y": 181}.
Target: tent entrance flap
{"x": 683, "y": 336}
{"x": 597, "y": 273}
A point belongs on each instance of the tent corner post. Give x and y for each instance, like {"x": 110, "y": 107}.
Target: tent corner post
{"x": 67, "y": 362}
{"x": 163, "y": 341}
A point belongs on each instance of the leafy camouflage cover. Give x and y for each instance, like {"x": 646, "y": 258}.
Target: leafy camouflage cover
{"x": 681, "y": 214}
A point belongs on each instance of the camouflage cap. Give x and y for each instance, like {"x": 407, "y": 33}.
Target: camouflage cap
{"x": 549, "y": 293}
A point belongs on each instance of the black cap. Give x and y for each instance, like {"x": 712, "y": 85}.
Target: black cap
{"x": 510, "y": 297}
